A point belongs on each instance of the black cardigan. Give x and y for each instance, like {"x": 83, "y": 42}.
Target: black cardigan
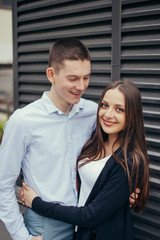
{"x": 106, "y": 214}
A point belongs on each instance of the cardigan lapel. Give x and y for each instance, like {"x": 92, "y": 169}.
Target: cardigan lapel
{"x": 101, "y": 180}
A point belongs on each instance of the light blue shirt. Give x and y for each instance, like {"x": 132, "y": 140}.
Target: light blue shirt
{"x": 45, "y": 143}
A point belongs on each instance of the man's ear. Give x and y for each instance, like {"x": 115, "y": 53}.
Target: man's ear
{"x": 50, "y": 74}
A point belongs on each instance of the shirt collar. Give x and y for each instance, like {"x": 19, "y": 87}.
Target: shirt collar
{"x": 51, "y": 108}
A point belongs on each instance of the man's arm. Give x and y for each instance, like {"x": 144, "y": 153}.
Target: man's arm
{"x": 12, "y": 151}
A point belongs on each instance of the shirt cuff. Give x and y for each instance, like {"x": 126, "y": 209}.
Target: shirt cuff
{"x": 22, "y": 233}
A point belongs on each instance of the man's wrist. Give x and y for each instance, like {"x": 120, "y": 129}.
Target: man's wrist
{"x": 22, "y": 233}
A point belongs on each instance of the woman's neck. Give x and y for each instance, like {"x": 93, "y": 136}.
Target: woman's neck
{"x": 110, "y": 147}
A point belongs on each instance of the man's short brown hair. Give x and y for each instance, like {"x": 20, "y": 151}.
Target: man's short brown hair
{"x": 67, "y": 49}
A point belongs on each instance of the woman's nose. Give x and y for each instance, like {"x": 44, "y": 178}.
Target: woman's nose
{"x": 109, "y": 112}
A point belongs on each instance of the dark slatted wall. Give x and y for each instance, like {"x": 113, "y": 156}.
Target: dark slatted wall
{"x": 140, "y": 63}
{"x": 40, "y": 23}
{"x": 130, "y": 47}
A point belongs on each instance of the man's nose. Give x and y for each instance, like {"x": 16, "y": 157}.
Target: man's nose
{"x": 80, "y": 85}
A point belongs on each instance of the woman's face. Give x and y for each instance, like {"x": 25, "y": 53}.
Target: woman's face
{"x": 112, "y": 112}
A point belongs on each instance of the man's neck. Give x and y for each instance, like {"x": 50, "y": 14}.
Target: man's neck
{"x": 62, "y": 107}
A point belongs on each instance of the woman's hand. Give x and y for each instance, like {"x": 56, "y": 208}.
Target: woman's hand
{"x": 21, "y": 195}
{"x": 133, "y": 197}
{"x": 28, "y": 195}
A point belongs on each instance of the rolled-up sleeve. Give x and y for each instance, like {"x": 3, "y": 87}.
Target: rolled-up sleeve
{"x": 12, "y": 151}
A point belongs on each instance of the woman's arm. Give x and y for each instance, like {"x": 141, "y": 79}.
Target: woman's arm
{"x": 114, "y": 194}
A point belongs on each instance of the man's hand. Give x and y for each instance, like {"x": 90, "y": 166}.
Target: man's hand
{"x": 37, "y": 238}
{"x": 133, "y": 197}
{"x": 27, "y": 195}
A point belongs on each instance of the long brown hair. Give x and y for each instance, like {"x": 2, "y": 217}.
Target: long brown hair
{"x": 131, "y": 139}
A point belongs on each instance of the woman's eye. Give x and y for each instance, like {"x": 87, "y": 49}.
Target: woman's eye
{"x": 104, "y": 105}
{"x": 120, "y": 109}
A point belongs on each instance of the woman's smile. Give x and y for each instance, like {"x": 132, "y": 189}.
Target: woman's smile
{"x": 108, "y": 123}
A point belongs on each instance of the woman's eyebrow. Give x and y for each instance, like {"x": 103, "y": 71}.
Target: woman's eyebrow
{"x": 120, "y": 105}
{"x": 117, "y": 105}
{"x": 104, "y": 101}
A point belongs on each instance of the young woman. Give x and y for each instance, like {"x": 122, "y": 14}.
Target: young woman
{"x": 112, "y": 164}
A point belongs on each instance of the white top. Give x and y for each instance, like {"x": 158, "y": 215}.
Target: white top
{"x": 88, "y": 175}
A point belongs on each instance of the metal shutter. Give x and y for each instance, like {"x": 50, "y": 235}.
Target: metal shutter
{"x": 140, "y": 63}
{"x": 40, "y": 23}
{"x": 136, "y": 30}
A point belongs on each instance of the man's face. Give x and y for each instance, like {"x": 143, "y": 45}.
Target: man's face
{"x": 70, "y": 83}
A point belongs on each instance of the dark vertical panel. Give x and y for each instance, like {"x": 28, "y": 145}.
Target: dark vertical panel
{"x": 15, "y": 60}
{"x": 116, "y": 39}
{"x": 140, "y": 63}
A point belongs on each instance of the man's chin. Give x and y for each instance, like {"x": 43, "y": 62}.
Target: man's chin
{"x": 76, "y": 99}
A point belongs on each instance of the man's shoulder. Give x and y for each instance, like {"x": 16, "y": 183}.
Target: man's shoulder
{"x": 29, "y": 108}
{"x": 89, "y": 105}
{"x": 26, "y": 112}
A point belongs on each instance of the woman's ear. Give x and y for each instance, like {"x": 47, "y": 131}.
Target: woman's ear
{"x": 50, "y": 74}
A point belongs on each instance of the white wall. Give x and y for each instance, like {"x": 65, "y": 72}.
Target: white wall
{"x": 6, "y": 53}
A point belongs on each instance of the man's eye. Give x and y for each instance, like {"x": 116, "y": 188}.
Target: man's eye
{"x": 73, "y": 79}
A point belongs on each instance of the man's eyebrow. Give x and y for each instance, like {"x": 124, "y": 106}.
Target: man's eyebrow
{"x": 74, "y": 75}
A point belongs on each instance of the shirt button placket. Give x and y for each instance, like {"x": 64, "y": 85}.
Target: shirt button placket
{"x": 72, "y": 160}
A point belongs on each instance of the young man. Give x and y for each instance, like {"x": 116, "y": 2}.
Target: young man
{"x": 45, "y": 139}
